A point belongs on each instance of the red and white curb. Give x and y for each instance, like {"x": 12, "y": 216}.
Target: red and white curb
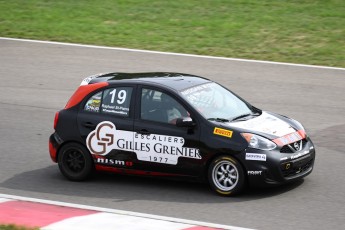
{"x": 53, "y": 215}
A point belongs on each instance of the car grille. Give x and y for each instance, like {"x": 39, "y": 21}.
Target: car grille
{"x": 287, "y": 149}
{"x": 295, "y": 170}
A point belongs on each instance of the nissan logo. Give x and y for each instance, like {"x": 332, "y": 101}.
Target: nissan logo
{"x": 297, "y": 146}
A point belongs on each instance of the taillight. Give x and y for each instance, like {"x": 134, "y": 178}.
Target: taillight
{"x": 56, "y": 119}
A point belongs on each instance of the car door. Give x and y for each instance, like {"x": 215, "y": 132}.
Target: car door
{"x": 168, "y": 148}
{"x": 105, "y": 121}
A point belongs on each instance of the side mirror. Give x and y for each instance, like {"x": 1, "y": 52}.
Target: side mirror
{"x": 185, "y": 122}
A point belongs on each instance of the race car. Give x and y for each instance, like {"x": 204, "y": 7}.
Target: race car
{"x": 176, "y": 125}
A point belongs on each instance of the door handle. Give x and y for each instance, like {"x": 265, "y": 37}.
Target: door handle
{"x": 144, "y": 132}
{"x": 89, "y": 125}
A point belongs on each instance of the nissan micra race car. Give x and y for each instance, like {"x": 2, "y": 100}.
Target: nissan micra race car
{"x": 176, "y": 125}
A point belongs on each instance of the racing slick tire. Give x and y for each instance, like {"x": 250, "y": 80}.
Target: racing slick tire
{"x": 226, "y": 176}
{"x": 75, "y": 162}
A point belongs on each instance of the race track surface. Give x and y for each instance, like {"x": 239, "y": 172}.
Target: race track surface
{"x": 38, "y": 79}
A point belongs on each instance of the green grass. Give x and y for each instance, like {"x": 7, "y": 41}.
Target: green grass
{"x": 15, "y": 227}
{"x": 297, "y": 31}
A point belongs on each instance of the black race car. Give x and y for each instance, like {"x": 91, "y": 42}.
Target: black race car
{"x": 176, "y": 125}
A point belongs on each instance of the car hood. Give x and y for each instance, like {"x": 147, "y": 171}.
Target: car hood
{"x": 266, "y": 124}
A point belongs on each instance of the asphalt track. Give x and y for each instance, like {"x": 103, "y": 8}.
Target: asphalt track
{"x": 37, "y": 79}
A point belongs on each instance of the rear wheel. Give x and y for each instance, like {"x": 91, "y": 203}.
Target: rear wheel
{"x": 226, "y": 176}
{"x": 75, "y": 162}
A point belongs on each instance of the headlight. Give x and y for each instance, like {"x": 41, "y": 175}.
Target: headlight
{"x": 258, "y": 142}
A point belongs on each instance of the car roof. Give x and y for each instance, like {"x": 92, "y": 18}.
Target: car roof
{"x": 177, "y": 81}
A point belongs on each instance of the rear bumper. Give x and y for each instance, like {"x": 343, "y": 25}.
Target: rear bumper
{"x": 54, "y": 144}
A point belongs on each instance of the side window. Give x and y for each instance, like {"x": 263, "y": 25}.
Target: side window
{"x": 160, "y": 107}
{"x": 94, "y": 103}
{"x": 117, "y": 101}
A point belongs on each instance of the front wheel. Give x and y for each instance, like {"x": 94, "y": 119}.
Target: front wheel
{"x": 226, "y": 176}
{"x": 75, "y": 162}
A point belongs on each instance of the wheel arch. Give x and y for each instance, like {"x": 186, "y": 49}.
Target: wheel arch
{"x": 69, "y": 142}
{"x": 75, "y": 161}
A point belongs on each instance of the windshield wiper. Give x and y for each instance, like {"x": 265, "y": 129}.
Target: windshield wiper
{"x": 241, "y": 116}
{"x": 218, "y": 119}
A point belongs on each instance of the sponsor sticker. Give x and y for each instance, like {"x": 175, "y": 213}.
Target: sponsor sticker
{"x": 299, "y": 155}
{"x": 255, "y": 157}
{"x": 196, "y": 89}
{"x": 93, "y": 105}
{"x": 254, "y": 173}
{"x": 222, "y": 132}
{"x": 154, "y": 147}
{"x": 113, "y": 162}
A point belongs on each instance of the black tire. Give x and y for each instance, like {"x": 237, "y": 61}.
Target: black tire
{"x": 75, "y": 162}
{"x": 226, "y": 176}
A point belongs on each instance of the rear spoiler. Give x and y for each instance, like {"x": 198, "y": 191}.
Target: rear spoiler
{"x": 101, "y": 77}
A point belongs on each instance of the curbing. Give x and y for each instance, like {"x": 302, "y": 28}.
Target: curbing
{"x": 6, "y": 197}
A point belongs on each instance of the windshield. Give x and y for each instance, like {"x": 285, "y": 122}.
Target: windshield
{"x": 215, "y": 102}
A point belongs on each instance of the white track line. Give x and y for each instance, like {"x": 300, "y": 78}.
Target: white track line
{"x": 111, "y": 221}
{"x": 170, "y": 53}
{"x": 2, "y": 200}
{"x": 121, "y": 212}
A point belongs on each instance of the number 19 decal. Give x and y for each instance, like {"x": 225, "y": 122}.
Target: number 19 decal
{"x": 121, "y": 96}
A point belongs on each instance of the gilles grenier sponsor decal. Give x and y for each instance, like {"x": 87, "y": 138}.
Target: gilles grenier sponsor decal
{"x": 153, "y": 147}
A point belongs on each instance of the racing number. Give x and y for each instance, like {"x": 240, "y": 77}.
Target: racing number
{"x": 121, "y": 96}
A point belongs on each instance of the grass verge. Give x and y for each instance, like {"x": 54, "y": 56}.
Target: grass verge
{"x": 15, "y": 227}
{"x": 303, "y": 31}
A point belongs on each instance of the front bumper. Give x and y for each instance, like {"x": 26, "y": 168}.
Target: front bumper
{"x": 279, "y": 168}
